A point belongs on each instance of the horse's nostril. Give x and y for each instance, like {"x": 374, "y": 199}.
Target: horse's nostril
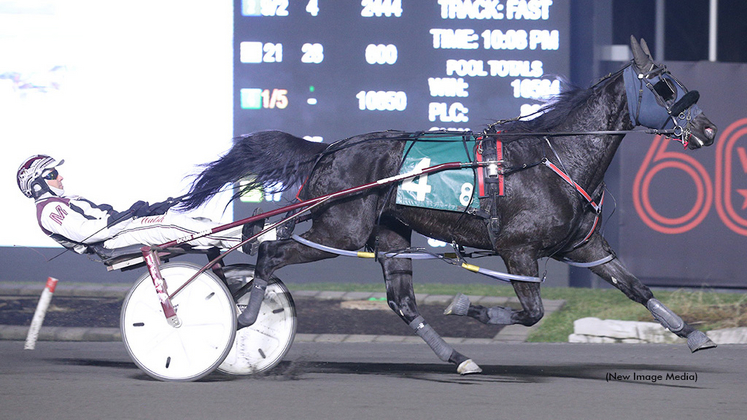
{"x": 710, "y": 133}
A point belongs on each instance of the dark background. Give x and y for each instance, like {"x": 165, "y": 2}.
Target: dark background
{"x": 591, "y": 26}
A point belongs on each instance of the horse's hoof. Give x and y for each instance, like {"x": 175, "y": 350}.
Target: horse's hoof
{"x": 697, "y": 340}
{"x": 468, "y": 367}
{"x": 458, "y": 306}
{"x": 240, "y": 325}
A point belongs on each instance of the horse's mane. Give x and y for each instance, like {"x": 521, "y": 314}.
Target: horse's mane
{"x": 556, "y": 111}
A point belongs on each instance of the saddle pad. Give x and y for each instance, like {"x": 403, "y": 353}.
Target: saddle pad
{"x": 452, "y": 190}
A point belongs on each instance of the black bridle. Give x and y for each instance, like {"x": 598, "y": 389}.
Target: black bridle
{"x": 665, "y": 102}
{"x": 664, "y": 91}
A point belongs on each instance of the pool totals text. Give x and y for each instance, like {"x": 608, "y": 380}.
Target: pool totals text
{"x": 329, "y": 69}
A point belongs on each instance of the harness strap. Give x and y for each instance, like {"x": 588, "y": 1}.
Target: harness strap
{"x": 419, "y": 256}
{"x": 594, "y": 225}
{"x": 483, "y": 174}
{"x": 490, "y": 179}
{"x": 597, "y": 207}
{"x": 600, "y": 261}
{"x": 571, "y": 182}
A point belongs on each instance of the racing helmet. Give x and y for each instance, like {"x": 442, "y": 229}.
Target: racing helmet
{"x": 29, "y": 176}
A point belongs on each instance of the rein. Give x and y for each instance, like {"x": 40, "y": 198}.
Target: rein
{"x": 433, "y": 136}
{"x": 579, "y": 133}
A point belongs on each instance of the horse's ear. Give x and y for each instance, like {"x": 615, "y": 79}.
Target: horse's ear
{"x": 644, "y": 47}
{"x": 641, "y": 57}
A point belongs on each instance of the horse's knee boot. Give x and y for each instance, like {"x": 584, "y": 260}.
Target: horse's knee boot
{"x": 665, "y": 316}
{"x": 696, "y": 340}
{"x": 256, "y": 296}
{"x": 458, "y": 306}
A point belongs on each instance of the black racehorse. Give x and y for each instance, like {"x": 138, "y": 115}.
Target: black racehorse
{"x": 542, "y": 214}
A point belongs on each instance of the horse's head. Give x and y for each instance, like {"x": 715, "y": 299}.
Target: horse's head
{"x": 664, "y": 103}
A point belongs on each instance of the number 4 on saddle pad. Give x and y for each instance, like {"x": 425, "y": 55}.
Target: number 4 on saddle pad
{"x": 452, "y": 190}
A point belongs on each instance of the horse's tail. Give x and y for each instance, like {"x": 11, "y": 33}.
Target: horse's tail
{"x": 265, "y": 158}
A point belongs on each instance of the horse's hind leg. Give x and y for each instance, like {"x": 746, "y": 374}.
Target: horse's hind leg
{"x": 615, "y": 273}
{"x": 346, "y": 226}
{"x": 528, "y": 293}
{"x": 401, "y": 296}
{"x": 274, "y": 255}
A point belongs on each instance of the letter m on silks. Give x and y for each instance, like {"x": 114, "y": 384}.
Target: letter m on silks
{"x": 59, "y": 215}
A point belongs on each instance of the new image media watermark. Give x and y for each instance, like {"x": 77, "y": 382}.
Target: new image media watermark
{"x": 652, "y": 377}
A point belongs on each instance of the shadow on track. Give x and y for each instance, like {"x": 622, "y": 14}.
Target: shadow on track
{"x": 303, "y": 370}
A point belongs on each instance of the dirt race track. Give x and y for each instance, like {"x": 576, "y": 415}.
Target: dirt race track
{"x": 80, "y": 380}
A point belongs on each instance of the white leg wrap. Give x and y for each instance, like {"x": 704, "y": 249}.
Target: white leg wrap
{"x": 431, "y": 337}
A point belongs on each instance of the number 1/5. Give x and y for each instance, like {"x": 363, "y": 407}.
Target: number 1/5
{"x": 276, "y": 98}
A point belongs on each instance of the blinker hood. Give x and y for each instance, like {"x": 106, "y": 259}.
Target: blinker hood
{"x": 649, "y": 109}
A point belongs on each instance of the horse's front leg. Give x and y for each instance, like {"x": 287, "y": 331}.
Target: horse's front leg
{"x": 401, "y": 298}
{"x": 615, "y": 273}
{"x": 528, "y": 293}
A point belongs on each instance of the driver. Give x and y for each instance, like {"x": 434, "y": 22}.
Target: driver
{"x": 79, "y": 220}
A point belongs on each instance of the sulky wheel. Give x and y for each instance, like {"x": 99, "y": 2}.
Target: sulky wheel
{"x": 261, "y": 346}
{"x": 202, "y": 341}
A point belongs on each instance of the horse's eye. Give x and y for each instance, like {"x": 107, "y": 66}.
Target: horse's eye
{"x": 664, "y": 90}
